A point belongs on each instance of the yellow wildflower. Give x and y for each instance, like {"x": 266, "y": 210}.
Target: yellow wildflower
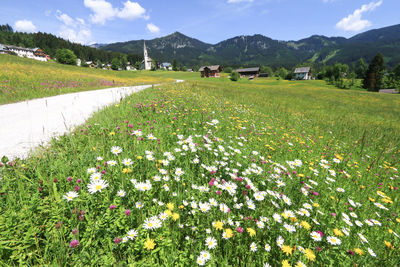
{"x": 316, "y": 205}
{"x": 139, "y": 157}
{"x": 228, "y": 233}
{"x": 218, "y": 225}
{"x": 168, "y": 212}
{"x": 388, "y": 244}
{"x": 285, "y": 263}
{"x": 371, "y": 199}
{"x": 305, "y": 225}
{"x": 149, "y": 244}
{"x": 111, "y": 133}
{"x": 251, "y": 232}
{"x": 310, "y": 254}
{"x": 175, "y": 216}
{"x": 126, "y": 170}
{"x": 358, "y": 251}
{"x": 398, "y": 220}
{"x": 170, "y": 206}
{"x": 337, "y": 232}
{"x": 287, "y": 250}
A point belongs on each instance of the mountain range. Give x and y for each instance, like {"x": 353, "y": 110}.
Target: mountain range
{"x": 257, "y": 49}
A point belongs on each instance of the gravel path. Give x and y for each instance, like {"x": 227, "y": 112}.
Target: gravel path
{"x": 26, "y": 125}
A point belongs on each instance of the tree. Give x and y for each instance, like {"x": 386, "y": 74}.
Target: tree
{"x": 123, "y": 61}
{"x": 282, "y": 73}
{"x": 361, "y": 68}
{"x": 228, "y": 69}
{"x": 267, "y": 69}
{"x": 115, "y": 64}
{"x": 138, "y": 65}
{"x": 235, "y": 76}
{"x": 66, "y": 56}
{"x": 373, "y": 80}
{"x": 175, "y": 65}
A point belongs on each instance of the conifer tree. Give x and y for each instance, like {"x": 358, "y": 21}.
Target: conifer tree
{"x": 373, "y": 80}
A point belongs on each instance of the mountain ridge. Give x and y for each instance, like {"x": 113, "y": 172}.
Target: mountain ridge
{"x": 257, "y": 49}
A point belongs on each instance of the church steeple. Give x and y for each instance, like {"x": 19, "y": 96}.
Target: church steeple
{"x": 146, "y": 59}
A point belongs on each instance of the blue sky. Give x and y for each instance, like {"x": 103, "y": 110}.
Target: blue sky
{"x": 212, "y": 21}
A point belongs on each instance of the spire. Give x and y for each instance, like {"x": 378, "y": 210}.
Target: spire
{"x": 144, "y": 50}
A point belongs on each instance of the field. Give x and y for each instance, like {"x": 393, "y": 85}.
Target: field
{"x": 23, "y": 79}
{"x": 212, "y": 172}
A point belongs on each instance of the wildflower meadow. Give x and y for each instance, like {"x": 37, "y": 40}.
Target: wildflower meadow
{"x": 211, "y": 174}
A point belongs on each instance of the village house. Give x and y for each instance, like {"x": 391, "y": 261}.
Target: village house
{"x": 90, "y": 64}
{"x": 211, "y": 71}
{"x": 32, "y": 53}
{"x": 303, "y": 73}
{"x": 166, "y": 66}
{"x": 249, "y": 72}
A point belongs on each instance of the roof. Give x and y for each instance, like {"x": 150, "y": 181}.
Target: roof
{"x": 19, "y": 48}
{"x": 165, "y": 64}
{"x": 2, "y": 47}
{"x": 302, "y": 70}
{"x": 249, "y": 69}
{"x": 213, "y": 67}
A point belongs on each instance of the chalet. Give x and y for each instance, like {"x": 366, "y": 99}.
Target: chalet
{"x": 90, "y": 64}
{"x": 303, "y": 73}
{"x": 249, "y": 72}
{"x": 33, "y": 53}
{"x": 211, "y": 71}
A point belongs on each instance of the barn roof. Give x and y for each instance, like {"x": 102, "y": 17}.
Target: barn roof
{"x": 302, "y": 70}
{"x": 213, "y": 67}
{"x": 248, "y": 69}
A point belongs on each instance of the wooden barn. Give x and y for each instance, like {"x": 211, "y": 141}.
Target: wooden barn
{"x": 211, "y": 71}
{"x": 249, "y": 72}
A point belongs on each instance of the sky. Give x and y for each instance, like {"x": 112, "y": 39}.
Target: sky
{"x": 210, "y": 21}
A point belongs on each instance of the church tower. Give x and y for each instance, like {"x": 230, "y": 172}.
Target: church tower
{"x": 146, "y": 59}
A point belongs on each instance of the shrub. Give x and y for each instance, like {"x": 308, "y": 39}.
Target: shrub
{"x": 235, "y": 76}
{"x": 66, "y": 56}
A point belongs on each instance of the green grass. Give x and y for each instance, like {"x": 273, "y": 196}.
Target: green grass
{"x": 263, "y": 127}
{"x": 23, "y": 79}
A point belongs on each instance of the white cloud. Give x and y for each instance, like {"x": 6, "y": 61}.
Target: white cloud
{"x": 64, "y": 18}
{"x": 238, "y": 1}
{"x": 74, "y": 30}
{"x": 103, "y": 11}
{"x": 153, "y": 28}
{"x": 24, "y": 26}
{"x": 82, "y": 36}
{"x": 131, "y": 11}
{"x": 354, "y": 22}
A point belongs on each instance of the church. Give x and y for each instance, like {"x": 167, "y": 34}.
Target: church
{"x": 147, "y": 62}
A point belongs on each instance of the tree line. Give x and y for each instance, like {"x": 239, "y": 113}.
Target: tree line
{"x": 50, "y": 44}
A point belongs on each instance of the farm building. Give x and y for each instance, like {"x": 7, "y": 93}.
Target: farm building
{"x": 249, "y": 72}
{"x": 303, "y": 73}
{"x": 211, "y": 71}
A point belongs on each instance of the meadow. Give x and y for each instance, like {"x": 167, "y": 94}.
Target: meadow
{"x": 212, "y": 172}
{"x": 23, "y": 79}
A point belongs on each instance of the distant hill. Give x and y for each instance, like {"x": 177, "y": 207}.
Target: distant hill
{"x": 261, "y": 50}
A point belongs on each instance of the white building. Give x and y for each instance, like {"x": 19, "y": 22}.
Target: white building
{"x": 33, "y": 53}
{"x": 146, "y": 63}
{"x": 303, "y": 73}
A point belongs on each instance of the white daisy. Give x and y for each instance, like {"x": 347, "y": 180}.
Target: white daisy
{"x": 70, "y": 196}
{"x": 97, "y": 185}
